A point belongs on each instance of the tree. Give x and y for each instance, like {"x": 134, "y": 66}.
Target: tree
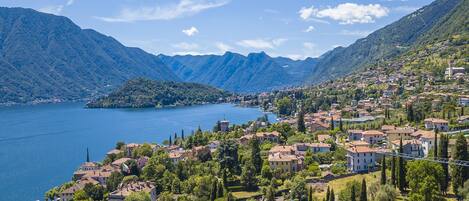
{"x": 386, "y": 193}
{"x": 113, "y": 181}
{"x": 130, "y": 168}
{"x": 248, "y": 177}
{"x": 393, "y": 171}
{"x": 332, "y": 196}
{"x": 332, "y": 123}
{"x": 328, "y": 193}
{"x": 119, "y": 145}
{"x": 170, "y": 141}
{"x": 182, "y": 134}
{"x": 95, "y": 192}
{"x": 230, "y": 197}
{"x": 220, "y": 189}
{"x": 284, "y": 105}
{"x": 435, "y": 148}
{"x": 341, "y": 125}
{"x": 298, "y": 190}
{"x": 301, "y": 122}
{"x": 228, "y": 156}
{"x": 270, "y": 192}
{"x": 460, "y": 173}
{"x": 80, "y": 195}
{"x": 363, "y": 196}
{"x": 217, "y": 127}
{"x": 310, "y": 194}
{"x": 383, "y": 171}
{"x": 401, "y": 179}
{"x": 214, "y": 190}
{"x": 138, "y": 196}
{"x": 352, "y": 194}
{"x": 87, "y": 155}
{"x": 443, "y": 153}
{"x": 423, "y": 178}
{"x": 256, "y": 154}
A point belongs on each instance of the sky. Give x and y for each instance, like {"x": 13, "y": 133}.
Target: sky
{"x": 289, "y": 28}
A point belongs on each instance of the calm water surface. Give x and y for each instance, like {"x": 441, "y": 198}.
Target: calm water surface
{"x": 41, "y": 146}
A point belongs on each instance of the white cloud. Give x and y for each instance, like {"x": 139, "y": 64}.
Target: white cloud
{"x": 262, "y": 43}
{"x": 355, "y": 33}
{"x": 223, "y": 47}
{"x": 347, "y": 13}
{"x": 186, "y": 46}
{"x": 191, "y": 31}
{"x": 181, "y": 9}
{"x": 405, "y": 9}
{"x": 309, "y": 29}
{"x": 309, "y": 45}
{"x": 56, "y": 10}
{"x": 296, "y": 56}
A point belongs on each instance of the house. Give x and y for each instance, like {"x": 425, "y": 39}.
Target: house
{"x": 200, "y": 152}
{"x": 67, "y": 194}
{"x": 361, "y": 159}
{"x": 354, "y": 135}
{"x": 224, "y": 126}
{"x": 396, "y": 134}
{"x": 118, "y": 163}
{"x": 261, "y": 136}
{"x": 114, "y": 152}
{"x": 463, "y": 119}
{"x": 451, "y": 72}
{"x": 435, "y": 123}
{"x": 463, "y": 101}
{"x": 324, "y": 138}
{"x": 410, "y": 147}
{"x": 284, "y": 162}
{"x": 125, "y": 190}
{"x": 213, "y": 145}
{"x": 301, "y": 148}
{"x": 385, "y": 128}
{"x": 372, "y": 136}
{"x": 317, "y": 125}
{"x": 282, "y": 149}
{"x": 176, "y": 156}
{"x": 428, "y": 141}
{"x": 129, "y": 148}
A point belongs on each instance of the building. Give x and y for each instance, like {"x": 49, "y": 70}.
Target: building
{"x": 428, "y": 141}
{"x": 224, "y": 126}
{"x": 176, "y": 156}
{"x": 372, "y": 136}
{"x": 411, "y": 147}
{"x": 118, "y": 163}
{"x": 123, "y": 191}
{"x": 463, "y": 101}
{"x": 129, "y": 148}
{"x": 435, "y": 123}
{"x": 284, "y": 162}
{"x": 324, "y": 138}
{"x": 463, "y": 119}
{"x": 454, "y": 71}
{"x": 397, "y": 134}
{"x": 67, "y": 194}
{"x": 282, "y": 149}
{"x": 361, "y": 159}
{"x": 301, "y": 148}
{"x": 262, "y": 136}
{"x": 354, "y": 135}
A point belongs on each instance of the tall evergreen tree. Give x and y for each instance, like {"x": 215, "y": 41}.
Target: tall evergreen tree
{"x": 332, "y": 123}
{"x": 401, "y": 167}
{"x": 328, "y": 193}
{"x": 220, "y": 189}
{"x": 256, "y": 155}
{"x": 332, "y": 196}
{"x": 363, "y": 196}
{"x": 383, "y": 171}
{"x": 214, "y": 191}
{"x": 460, "y": 173}
{"x": 182, "y": 134}
{"x": 341, "y": 125}
{"x": 393, "y": 171}
{"x": 443, "y": 153}
{"x": 310, "y": 194}
{"x": 352, "y": 193}
{"x": 170, "y": 141}
{"x": 435, "y": 144}
{"x": 87, "y": 155}
{"x": 301, "y": 122}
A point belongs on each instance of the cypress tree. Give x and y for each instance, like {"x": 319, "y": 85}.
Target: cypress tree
{"x": 383, "y": 171}
{"x": 332, "y": 123}
{"x": 182, "y": 134}
{"x": 170, "y": 141}
{"x": 443, "y": 153}
{"x": 363, "y": 196}
{"x": 332, "y": 196}
{"x": 213, "y": 193}
{"x": 87, "y": 155}
{"x": 256, "y": 155}
{"x": 460, "y": 173}
{"x": 220, "y": 190}
{"x": 301, "y": 122}
{"x": 352, "y": 193}
{"x": 310, "y": 194}
{"x": 393, "y": 171}
{"x": 435, "y": 148}
{"x": 328, "y": 193}
{"x": 401, "y": 177}
{"x": 341, "y": 126}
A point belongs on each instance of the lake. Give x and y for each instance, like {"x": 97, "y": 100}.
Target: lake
{"x": 41, "y": 145}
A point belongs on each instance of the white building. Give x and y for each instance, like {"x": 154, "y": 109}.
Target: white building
{"x": 372, "y": 136}
{"x": 434, "y": 123}
{"x": 453, "y": 71}
{"x": 361, "y": 159}
{"x": 224, "y": 126}
{"x": 463, "y": 101}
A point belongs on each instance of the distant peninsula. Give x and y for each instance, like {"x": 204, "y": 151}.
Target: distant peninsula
{"x": 145, "y": 93}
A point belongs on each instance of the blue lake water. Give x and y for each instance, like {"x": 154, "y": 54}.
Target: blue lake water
{"x": 41, "y": 145}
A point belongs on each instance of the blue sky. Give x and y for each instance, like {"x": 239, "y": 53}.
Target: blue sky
{"x": 291, "y": 28}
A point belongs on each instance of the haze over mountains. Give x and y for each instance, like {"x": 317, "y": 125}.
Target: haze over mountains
{"x": 44, "y": 56}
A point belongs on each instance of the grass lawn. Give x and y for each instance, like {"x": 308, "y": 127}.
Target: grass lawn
{"x": 245, "y": 194}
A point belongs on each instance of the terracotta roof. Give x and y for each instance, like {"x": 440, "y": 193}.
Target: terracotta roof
{"x": 120, "y": 161}
{"x": 322, "y": 138}
{"x": 388, "y": 127}
{"x": 400, "y": 131}
{"x": 359, "y": 143}
{"x": 424, "y": 134}
{"x": 404, "y": 142}
{"x": 372, "y": 132}
{"x": 355, "y": 131}
{"x": 282, "y": 157}
{"x": 281, "y": 148}
{"x": 436, "y": 120}
{"x": 114, "y": 151}
{"x": 361, "y": 149}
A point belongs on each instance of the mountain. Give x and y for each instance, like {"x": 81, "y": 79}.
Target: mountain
{"x": 387, "y": 42}
{"x": 234, "y": 72}
{"x": 45, "y": 57}
{"x": 139, "y": 93}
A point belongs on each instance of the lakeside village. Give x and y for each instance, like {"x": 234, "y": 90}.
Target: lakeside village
{"x": 380, "y": 144}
